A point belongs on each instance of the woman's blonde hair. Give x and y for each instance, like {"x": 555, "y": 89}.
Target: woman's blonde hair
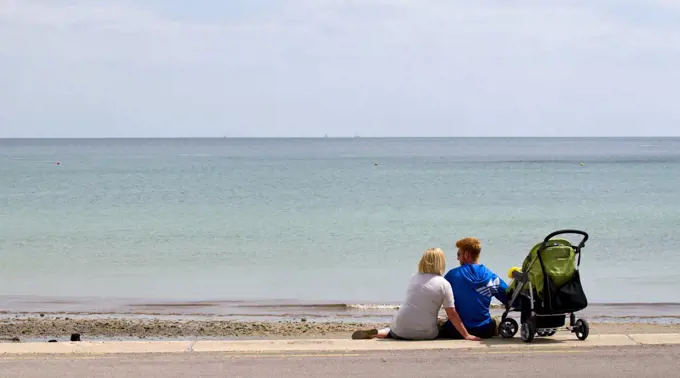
{"x": 433, "y": 262}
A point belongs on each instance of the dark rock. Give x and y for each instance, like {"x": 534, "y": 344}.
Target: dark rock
{"x": 42, "y": 315}
{"x": 75, "y": 337}
{"x": 52, "y": 341}
{"x": 303, "y": 320}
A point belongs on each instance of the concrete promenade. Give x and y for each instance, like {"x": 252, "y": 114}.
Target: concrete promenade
{"x": 280, "y": 360}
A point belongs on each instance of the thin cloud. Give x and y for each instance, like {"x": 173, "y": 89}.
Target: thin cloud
{"x": 307, "y": 68}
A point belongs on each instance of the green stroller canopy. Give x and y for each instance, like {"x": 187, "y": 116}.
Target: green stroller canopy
{"x": 559, "y": 260}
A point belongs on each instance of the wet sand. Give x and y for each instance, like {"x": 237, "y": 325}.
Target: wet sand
{"x": 37, "y": 328}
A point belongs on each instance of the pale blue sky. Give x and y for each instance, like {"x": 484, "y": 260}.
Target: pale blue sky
{"x": 124, "y": 68}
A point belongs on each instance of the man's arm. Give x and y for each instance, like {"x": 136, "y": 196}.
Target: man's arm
{"x": 501, "y": 292}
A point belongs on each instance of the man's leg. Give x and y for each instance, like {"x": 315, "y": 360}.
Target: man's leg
{"x": 448, "y": 331}
{"x": 486, "y": 332}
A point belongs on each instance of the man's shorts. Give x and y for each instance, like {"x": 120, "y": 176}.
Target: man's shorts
{"x": 448, "y": 331}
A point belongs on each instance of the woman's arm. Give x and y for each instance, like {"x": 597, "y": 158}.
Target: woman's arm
{"x": 453, "y": 316}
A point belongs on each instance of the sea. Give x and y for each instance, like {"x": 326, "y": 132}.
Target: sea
{"x": 327, "y": 228}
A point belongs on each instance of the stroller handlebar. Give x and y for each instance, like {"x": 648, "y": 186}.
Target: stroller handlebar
{"x": 568, "y": 231}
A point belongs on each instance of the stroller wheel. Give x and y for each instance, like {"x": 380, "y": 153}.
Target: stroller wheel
{"x": 582, "y": 329}
{"x": 508, "y": 328}
{"x": 528, "y": 332}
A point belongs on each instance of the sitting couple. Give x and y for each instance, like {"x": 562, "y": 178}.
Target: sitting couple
{"x": 472, "y": 285}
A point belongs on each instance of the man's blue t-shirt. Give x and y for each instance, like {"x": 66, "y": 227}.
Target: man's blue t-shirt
{"x": 473, "y": 287}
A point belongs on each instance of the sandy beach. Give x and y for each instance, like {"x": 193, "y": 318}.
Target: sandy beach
{"x": 36, "y": 328}
{"x": 53, "y": 327}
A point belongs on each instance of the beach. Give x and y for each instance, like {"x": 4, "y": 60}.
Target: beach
{"x": 59, "y": 327}
{"x": 48, "y": 318}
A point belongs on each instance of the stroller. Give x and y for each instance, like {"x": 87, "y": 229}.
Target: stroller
{"x": 545, "y": 291}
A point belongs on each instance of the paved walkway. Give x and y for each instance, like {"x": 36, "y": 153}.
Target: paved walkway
{"x": 611, "y": 362}
{"x": 329, "y": 345}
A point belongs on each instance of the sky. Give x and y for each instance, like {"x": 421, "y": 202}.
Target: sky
{"x": 309, "y": 68}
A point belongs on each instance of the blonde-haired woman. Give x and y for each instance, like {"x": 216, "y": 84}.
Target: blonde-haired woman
{"x": 427, "y": 292}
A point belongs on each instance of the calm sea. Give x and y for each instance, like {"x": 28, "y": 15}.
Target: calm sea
{"x": 326, "y": 220}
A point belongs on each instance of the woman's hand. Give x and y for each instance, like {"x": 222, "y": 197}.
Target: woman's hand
{"x": 473, "y": 338}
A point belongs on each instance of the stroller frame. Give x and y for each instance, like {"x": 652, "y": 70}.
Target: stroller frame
{"x": 534, "y": 323}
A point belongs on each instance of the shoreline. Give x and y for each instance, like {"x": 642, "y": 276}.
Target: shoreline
{"x": 284, "y": 309}
{"x": 60, "y": 327}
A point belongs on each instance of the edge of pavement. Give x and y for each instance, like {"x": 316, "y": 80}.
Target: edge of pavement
{"x": 327, "y": 345}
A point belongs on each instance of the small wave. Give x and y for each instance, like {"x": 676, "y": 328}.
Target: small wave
{"x": 372, "y": 306}
{"x": 324, "y": 306}
{"x": 295, "y": 305}
{"x": 339, "y": 306}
